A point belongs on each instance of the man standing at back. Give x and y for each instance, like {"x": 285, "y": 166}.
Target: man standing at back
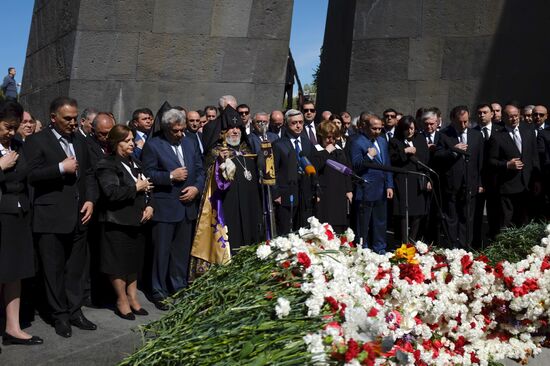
{"x": 142, "y": 121}
{"x": 368, "y": 151}
{"x": 65, "y": 192}
{"x": 9, "y": 85}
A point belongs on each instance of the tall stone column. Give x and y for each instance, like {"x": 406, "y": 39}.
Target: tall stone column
{"x": 120, "y": 55}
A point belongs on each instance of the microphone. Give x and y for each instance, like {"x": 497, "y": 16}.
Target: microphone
{"x": 339, "y": 167}
{"x": 415, "y": 160}
{"x": 306, "y": 165}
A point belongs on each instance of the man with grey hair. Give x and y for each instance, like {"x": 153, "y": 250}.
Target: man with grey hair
{"x": 260, "y": 129}
{"x": 212, "y": 130}
{"x": 85, "y": 122}
{"x": 174, "y": 164}
{"x": 527, "y": 113}
{"x": 293, "y": 192}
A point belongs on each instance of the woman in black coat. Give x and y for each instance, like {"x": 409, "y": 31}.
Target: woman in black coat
{"x": 124, "y": 208}
{"x": 16, "y": 248}
{"x": 407, "y": 147}
{"x": 335, "y": 194}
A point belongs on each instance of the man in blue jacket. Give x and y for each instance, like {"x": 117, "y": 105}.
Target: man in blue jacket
{"x": 368, "y": 151}
{"x": 174, "y": 164}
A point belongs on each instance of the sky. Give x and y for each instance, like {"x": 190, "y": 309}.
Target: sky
{"x": 306, "y": 39}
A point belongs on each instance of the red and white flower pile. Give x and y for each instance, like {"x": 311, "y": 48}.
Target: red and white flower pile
{"x": 414, "y": 306}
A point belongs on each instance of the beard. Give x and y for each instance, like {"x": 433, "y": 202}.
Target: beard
{"x": 233, "y": 140}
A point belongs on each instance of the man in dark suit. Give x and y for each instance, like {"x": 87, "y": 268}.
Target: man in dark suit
{"x": 193, "y": 127}
{"x": 174, "y": 164}
{"x": 309, "y": 130}
{"x": 459, "y": 155}
{"x": 255, "y": 137}
{"x": 65, "y": 192}
{"x": 540, "y": 115}
{"x": 514, "y": 156}
{"x": 429, "y": 122}
{"x": 141, "y": 124}
{"x": 370, "y": 149}
{"x": 97, "y": 139}
{"x": 293, "y": 193}
{"x": 489, "y": 195}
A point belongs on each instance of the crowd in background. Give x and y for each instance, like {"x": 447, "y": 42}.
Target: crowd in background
{"x": 89, "y": 196}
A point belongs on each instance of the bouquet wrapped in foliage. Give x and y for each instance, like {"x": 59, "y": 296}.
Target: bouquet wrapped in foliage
{"x": 314, "y": 298}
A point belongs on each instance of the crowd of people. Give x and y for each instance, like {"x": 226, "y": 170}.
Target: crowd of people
{"x": 88, "y": 196}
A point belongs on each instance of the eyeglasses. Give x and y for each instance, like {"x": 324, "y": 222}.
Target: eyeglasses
{"x": 390, "y": 116}
{"x": 535, "y": 114}
{"x": 309, "y": 110}
{"x": 244, "y": 113}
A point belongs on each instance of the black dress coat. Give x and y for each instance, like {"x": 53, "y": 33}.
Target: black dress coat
{"x": 16, "y": 246}
{"x": 333, "y": 206}
{"x": 416, "y": 185}
{"x": 58, "y": 198}
{"x": 502, "y": 149}
{"x": 119, "y": 201}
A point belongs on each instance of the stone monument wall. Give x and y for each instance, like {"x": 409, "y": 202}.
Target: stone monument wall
{"x": 407, "y": 54}
{"x": 119, "y": 55}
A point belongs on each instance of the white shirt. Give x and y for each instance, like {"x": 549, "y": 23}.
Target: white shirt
{"x": 488, "y": 127}
{"x": 179, "y": 152}
{"x": 141, "y": 135}
{"x": 294, "y": 143}
{"x": 432, "y": 136}
{"x": 71, "y": 148}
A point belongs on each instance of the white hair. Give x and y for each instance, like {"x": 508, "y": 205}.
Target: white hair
{"x": 227, "y": 99}
{"x": 172, "y": 116}
{"x": 428, "y": 114}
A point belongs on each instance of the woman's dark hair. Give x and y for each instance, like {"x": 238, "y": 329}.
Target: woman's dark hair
{"x": 11, "y": 111}
{"x": 403, "y": 126}
{"x": 117, "y": 134}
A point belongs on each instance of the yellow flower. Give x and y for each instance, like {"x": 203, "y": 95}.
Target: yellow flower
{"x": 406, "y": 252}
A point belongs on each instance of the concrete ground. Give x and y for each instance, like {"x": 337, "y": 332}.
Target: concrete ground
{"x": 114, "y": 339}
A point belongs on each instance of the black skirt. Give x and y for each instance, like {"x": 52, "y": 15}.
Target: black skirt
{"x": 122, "y": 249}
{"x": 16, "y": 248}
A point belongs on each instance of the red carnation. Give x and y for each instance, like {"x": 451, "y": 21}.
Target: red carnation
{"x": 467, "y": 263}
{"x": 303, "y": 259}
{"x": 545, "y": 264}
{"x": 353, "y": 350}
{"x": 328, "y": 232}
{"x": 373, "y": 312}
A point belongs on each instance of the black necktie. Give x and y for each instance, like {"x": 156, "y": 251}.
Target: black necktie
{"x": 485, "y": 133}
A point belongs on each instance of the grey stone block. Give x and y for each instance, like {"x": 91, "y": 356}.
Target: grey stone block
{"x": 379, "y": 59}
{"x": 461, "y": 18}
{"x": 465, "y": 57}
{"x": 179, "y": 57}
{"x": 425, "y": 58}
{"x": 270, "y": 19}
{"x": 431, "y": 93}
{"x": 376, "y": 96}
{"x": 269, "y": 67}
{"x": 116, "y": 15}
{"x": 388, "y": 19}
{"x": 463, "y": 92}
{"x": 230, "y": 18}
{"x": 239, "y": 58}
{"x": 110, "y": 55}
{"x": 183, "y": 16}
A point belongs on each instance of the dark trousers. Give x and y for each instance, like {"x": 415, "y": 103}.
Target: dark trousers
{"x": 371, "y": 224}
{"x": 489, "y": 202}
{"x": 63, "y": 258}
{"x": 514, "y": 209}
{"x": 458, "y": 209}
{"x": 171, "y": 250}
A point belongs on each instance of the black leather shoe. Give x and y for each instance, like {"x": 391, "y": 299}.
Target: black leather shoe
{"x": 9, "y": 339}
{"x": 63, "y": 328}
{"x": 81, "y": 322}
{"x": 128, "y": 316}
{"x": 140, "y": 311}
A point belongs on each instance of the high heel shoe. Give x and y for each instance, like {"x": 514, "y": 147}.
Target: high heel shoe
{"x": 129, "y": 316}
{"x": 140, "y": 311}
{"x": 8, "y": 339}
